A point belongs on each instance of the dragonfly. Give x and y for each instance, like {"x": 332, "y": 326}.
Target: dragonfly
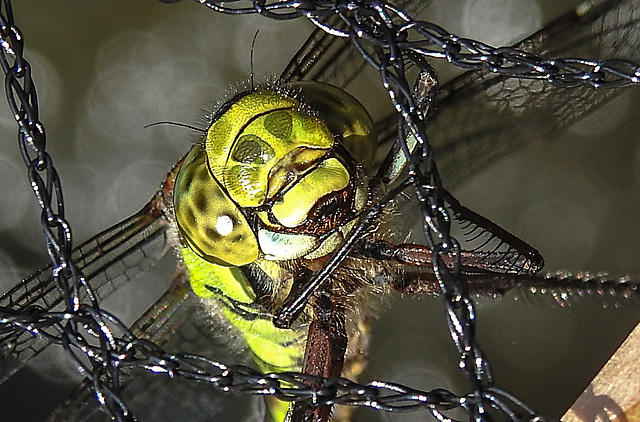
{"x": 443, "y": 112}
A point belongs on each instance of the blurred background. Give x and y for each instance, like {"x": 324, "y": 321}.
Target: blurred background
{"x": 105, "y": 69}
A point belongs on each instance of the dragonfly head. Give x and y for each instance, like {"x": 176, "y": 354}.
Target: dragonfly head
{"x": 278, "y": 177}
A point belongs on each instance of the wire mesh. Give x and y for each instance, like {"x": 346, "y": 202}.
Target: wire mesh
{"x": 479, "y": 391}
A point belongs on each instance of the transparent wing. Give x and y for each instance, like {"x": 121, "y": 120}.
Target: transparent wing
{"x": 481, "y": 117}
{"x": 325, "y": 58}
{"x": 339, "y": 70}
{"x": 178, "y": 321}
{"x": 108, "y": 261}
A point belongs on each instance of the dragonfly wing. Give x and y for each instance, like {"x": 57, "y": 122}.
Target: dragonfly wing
{"x": 332, "y": 72}
{"x": 108, "y": 260}
{"x": 480, "y": 117}
{"x": 178, "y": 322}
{"x": 330, "y": 59}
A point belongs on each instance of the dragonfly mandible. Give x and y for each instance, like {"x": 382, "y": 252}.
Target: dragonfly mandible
{"x": 421, "y": 303}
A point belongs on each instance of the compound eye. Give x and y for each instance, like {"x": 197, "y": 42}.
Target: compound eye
{"x": 209, "y": 221}
{"x": 344, "y": 116}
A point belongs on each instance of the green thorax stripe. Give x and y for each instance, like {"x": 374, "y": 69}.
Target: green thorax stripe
{"x": 274, "y": 349}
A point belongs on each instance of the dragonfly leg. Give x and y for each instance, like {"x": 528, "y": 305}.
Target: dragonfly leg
{"x": 416, "y": 255}
{"x": 424, "y": 93}
{"x": 409, "y": 271}
{"x": 325, "y": 351}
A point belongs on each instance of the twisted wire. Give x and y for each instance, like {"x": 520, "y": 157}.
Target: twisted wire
{"x": 106, "y": 350}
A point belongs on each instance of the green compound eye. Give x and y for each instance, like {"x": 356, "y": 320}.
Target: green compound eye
{"x": 344, "y": 116}
{"x": 210, "y": 222}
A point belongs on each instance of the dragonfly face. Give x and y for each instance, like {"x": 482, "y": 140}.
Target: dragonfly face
{"x": 388, "y": 362}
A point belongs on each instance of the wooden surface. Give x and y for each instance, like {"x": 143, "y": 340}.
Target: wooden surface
{"x": 614, "y": 394}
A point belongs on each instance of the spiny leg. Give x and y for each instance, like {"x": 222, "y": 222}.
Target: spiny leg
{"x": 409, "y": 271}
{"x": 325, "y": 351}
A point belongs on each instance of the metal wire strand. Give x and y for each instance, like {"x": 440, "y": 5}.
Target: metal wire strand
{"x": 105, "y": 349}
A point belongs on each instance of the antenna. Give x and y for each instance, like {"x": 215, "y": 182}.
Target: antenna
{"x": 253, "y": 45}
{"x": 196, "y": 129}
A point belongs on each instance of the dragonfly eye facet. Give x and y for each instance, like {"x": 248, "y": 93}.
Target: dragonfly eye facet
{"x": 209, "y": 221}
{"x": 344, "y": 116}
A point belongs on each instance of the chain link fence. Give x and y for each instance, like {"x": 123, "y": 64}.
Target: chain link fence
{"x": 384, "y": 35}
